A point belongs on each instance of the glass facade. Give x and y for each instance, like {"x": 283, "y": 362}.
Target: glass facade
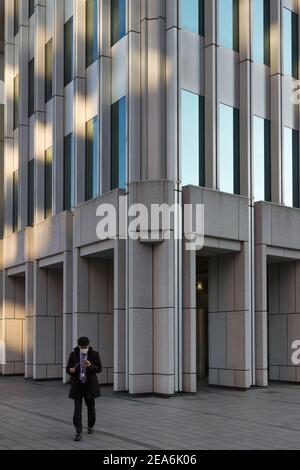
{"x": 91, "y": 31}
{"x": 290, "y": 168}
{"x": 68, "y": 51}
{"x": 31, "y": 193}
{"x": 16, "y": 101}
{"x": 48, "y": 70}
{"x": 31, "y": 88}
{"x": 92, "y": 160}
{"x": 16, "y": 201}
{"x": 69, "y": 173}
{"x": 261, "y": 160}
{"x": 229, "y": 150}
{"x": 118, "y": 144}
{"x": 192, "y": 139}
{"x": 48, "y": 182}
{"x": 229, "y": 23}
{"x": 290, "y": 43}
{"x": 118, "y": 20}
{"x": 261, "y": 31}
{"x": 192, "y": 15}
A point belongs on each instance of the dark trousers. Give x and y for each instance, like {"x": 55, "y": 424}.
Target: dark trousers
{"x": 77, "y": 418}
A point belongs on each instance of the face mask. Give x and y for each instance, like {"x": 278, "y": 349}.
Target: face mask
{"x": 84, "y": 351}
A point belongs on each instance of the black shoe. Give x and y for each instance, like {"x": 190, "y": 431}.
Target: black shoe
{"x": 90, "y": 430}
{"x": 78, "y": 437}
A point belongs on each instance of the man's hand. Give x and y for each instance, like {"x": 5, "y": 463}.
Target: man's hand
{"x": 73, "y": 370}
{"x": 87, "y": 364}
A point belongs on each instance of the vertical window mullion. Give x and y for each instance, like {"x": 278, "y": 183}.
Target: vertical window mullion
{"x": 31, "y": 193}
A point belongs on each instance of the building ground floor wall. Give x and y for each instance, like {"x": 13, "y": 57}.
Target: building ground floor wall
{"x": 163, "y": 318}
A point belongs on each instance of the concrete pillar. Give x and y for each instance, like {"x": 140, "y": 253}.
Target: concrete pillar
{"x": 276, "y": 99}
{"x": 261, "y": 316}
{"x": 189, "y": 322}
{"x": 211, "y": 94}
{"x": 39, "y": 108}
{"x": 29, "y": 323}
{"x": 153, "y": 89}
{"x": 104, "y": 105}
{"x": 58, "y": 107}
{"x": 67, "y": 309}
{"x": 79, "y": 99}
{"x": 120, "y": 340}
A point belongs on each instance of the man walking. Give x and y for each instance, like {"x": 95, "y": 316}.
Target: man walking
{"x": 83, "y": 365}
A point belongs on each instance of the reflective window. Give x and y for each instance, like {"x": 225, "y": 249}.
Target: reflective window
{"x": 261, "y": 160}
{"x": 118, "y": 20}
{"x": 91, "y": 160}
{"x": 91, "y": 31}
{"x": 118, "y": 144}
{"x": 69, "y": 190}
{"x": 290, "y": 168}
{"x": 290, "y": 43}
{"x": 68, "y": 52}
{"x": 31, "y": 88}
{"x": 16, "y": 101}
{"x": 192, "y": 139}
{"x": 229, "y": 150}
{"x": 228, "y": 15}
{"x": 48, "y": 70}
{"x": 16, "y": 200}
{"x": 48, "y": 182}
{"x": 31, "y": 193}
{"x": 192, "y": 16}
{"x": 261, "y": 31}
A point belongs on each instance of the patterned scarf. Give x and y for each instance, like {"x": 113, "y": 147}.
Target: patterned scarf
{"x": 83, "y": 357}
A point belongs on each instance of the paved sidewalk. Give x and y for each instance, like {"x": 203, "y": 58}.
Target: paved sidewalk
{"x": 38, "y": 416}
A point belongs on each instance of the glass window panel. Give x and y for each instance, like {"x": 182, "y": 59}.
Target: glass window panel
{"x": 92, "y": 160}
{"x": 228, "y": 149}
{"x": 190, "y": 141}
{"x": 68, "y": 173}
{"x": 30, "y": 8}
{"x": 91, "y": 31}
{"x": 48, "y": 182}
{"x": 31, "y": 193}
{"x": 48, "y": 70}
{"x": 16, "y": 16}
{"x": 258, "y": 159}
{"x": 192, "y": 15}
{"x": 290, "y": 43}
{"x": 287, "y": 167}
{"x": 261, "y": 31}
{"x": 118, "y": 145}
{"x": 228, "y": 15}
{"x": 16, "y": 101}
{"x": 68, "y": 52}
{"x": 31, "y": 88}
{"x": 16, "y": 200}
{"x": 118, "y": 20}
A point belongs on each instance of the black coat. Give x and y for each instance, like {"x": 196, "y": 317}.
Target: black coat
{"x": 92, "y": 384}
